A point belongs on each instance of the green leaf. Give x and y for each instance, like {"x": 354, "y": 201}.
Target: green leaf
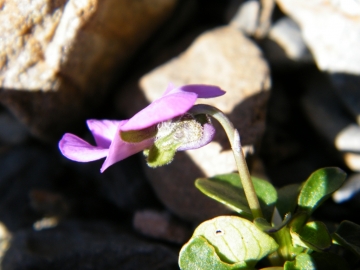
{"x": 267, "y": 195}
{"x": 302, "y": 261}
{"x": 198, "y": 253}
{"x": 298, "y": 221}
{"x": 317, "y": 261}
{"x": 319, "y": 187}
{"x": 273, "y": 268}
{"x": 287, "y": 199}
{"x": 227, "y": 189}
{"x": 315, "y": 236}
{"x": 348, "y": 236}
{"x": 236, "y": 239}
{"x": 266, "y": 227}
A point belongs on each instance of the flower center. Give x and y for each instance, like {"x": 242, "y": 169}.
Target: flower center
{"x": 180, "y": 130}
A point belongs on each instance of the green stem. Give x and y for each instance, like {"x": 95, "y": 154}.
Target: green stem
{"x": 234, "y": 139}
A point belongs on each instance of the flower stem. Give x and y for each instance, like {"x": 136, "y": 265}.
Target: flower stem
{"x": 234, "y": 139}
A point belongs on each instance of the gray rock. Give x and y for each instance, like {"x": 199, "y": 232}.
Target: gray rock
{"x": 324, "y": 110}
{"x": 287, "y": 34}
{"x": 348, "y": 190}
{"x": 348, "y": 139}
{"x": 332, "y": 120}
{"x": 246, "y": 17}
{"x": 85, "y": 246}
{"x": 331, "y": 30}
{"x": 347, "y": 88}
{"x": 11, "y": 130}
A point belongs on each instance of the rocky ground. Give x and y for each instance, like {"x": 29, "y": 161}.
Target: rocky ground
{"x": 291, "y": 71}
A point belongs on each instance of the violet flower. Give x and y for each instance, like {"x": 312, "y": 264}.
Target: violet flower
{"x": 150, "y": 128}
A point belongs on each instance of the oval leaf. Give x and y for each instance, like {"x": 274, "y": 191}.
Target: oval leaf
{"x": 227, "y": 189}
{"x": 348, "y": 236}
{"x": 319, "y": 187}
{"x": 317, "y": 261}
{"x": 287, "y": 198}
{"x": 236, "y": 239}
{"x": 316, "y": 236}
{"x": 199, "y": 254}
{"x": 302, "y": 261}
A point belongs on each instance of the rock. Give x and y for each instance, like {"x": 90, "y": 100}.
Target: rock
{"x": 223, "y": 57}
{"x": 22, "y": 169}
{"x": 254, "y": 18}
{"x": 287, "y": 34}
{"x": 348, "y": 190}
{"x": 246, "y": 17}
{"x": 348, "y": 139}
{"x": 347, "y": 89}
{"x": 11, "y": 131}
{"x": 162, "y": 226}
{"x": 324, "y": 110}
{"x": 57, "y": 58}
{"x": 352, "y": 160}
{"x": 87, "y": 245}
{"x": 332, "y": 120}
{"x": 5, "y": 238}
{"x": 123, "y": 184}
{"x": 330, "y": 29}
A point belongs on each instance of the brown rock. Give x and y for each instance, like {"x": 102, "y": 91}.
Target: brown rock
{"x": 57, "y": 57}
{"x": 223, "y": 57}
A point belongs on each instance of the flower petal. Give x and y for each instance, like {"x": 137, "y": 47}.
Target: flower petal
{"x": 77, "y": 149}
{"x": 103, "y": 131}
{"x": 120, "y": 150}
{"x": 202, "y": 90}
{"x": 208, "y": 135}
{"x": 169, "y": 88}
{"x": 162, "y": 109}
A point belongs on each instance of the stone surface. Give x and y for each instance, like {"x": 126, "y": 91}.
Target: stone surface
{"x": 58, "y": 57}
{"x": 348, "y": 139}
{"x": 325, "y": 111}
{"x": 5, "y": 238}
{"x": 331, "y": 29}
{"x": 11, "y": 130}
{"x": 348, "y": 190}
{"x": 331, "y": 118}
{"x": 352, "y": 161}
{"x": 347, "y": 89}
{"x": 287, "y": 34}
{"x": 246, "y": 17}
{"x": 223, "y": 57}
{"x": 85, "y": 246}
{"x": 162, "y": 226}
{"x": 123, "y": 184}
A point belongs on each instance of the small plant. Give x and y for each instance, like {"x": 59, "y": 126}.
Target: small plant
{"x": 272, "y": 229}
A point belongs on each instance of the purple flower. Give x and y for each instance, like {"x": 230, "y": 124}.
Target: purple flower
{"x": 144, "y": 127}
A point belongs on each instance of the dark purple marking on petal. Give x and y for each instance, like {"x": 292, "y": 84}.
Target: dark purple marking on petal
{"x": 202, "y": 90}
